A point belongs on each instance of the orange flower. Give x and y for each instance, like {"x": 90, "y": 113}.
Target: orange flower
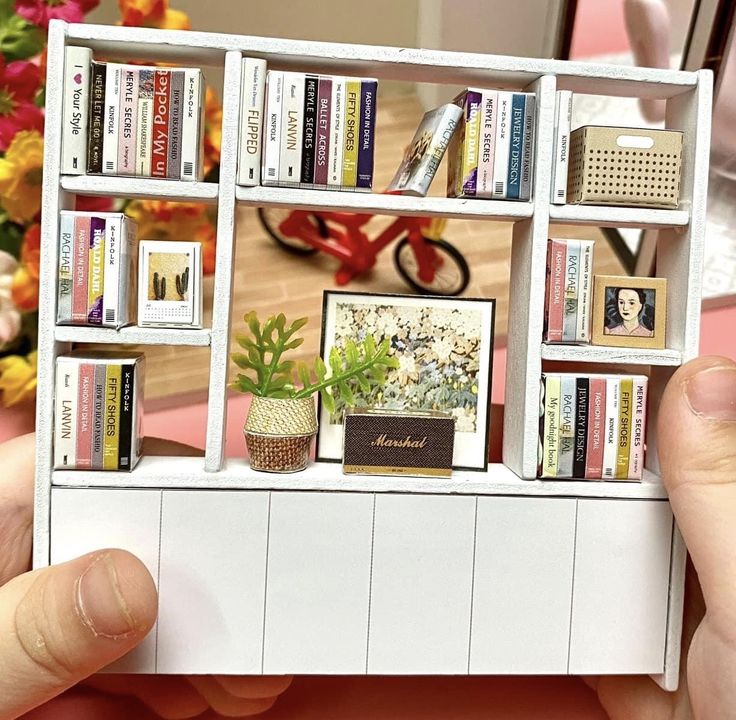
{"x": 24, "y": 289}
{"x": 212, "y": 130}
{"x": 207, "y": 235}
{"x": 152, "y": 13}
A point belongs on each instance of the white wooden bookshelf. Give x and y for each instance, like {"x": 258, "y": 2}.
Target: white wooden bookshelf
{"x": 317, "y": 572}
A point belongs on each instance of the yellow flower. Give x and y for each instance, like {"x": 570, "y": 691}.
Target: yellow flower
{"x": 18, "y": 378}
{"x": 153, "y": 13}
{"x": 21, "y": 171}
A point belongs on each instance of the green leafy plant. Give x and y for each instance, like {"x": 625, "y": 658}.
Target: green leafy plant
{"x": 362, "y": 365}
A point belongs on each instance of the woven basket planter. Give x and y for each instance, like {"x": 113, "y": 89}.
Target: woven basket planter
{"x": 279, "y": 433}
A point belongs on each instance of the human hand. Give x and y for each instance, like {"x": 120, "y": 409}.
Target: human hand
{"x": 59, "y": 625}
{"x": 697, "y": 450}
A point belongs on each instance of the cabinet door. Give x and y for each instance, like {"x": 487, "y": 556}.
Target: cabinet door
{"x": 319, "y": 560}
{"x": 421, "y": 584}
{"x": 213, "y": 569}
{"x": 622, "y": 564}
{"x": 83, "y": 520}
{"x": 523, "y": 583}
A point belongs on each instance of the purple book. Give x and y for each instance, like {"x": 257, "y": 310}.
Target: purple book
{"x": 322, "y": 150}
{"x": 368, "y": 89}
{"x": 473, "y": 107}
{"x": 96, "y": 277}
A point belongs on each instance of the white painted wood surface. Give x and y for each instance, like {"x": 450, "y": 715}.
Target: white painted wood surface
{"x": 318, "y": 588}
{"x": 132, "y": 335}
{"x": 87, "y": 520}
{"x": 421, "y": 585}
{"x": 620, "y": 590}
{"x": 212, "y": 574}
{"x": 618, "y": 217}
{"x": 602, "y": 354}
{"x": 140, "y": 187}
{"x": 524, "y": 553}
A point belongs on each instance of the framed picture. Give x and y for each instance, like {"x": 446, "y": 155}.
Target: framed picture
{"x": 629, "y": 311}
{"x": 445, "y": 349}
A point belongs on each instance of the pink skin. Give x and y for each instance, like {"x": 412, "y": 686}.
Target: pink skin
{"x": 629, "y": 308}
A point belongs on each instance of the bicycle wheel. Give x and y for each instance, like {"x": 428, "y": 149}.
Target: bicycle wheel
{"x": 451, "y": 276}
{"x": 271, "y": 219}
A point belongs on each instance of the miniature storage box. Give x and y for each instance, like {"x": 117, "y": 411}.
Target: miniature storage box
{"x": 625, "y": 166}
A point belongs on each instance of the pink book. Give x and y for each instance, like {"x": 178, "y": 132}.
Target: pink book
{"x": 638, "y": 428}
{"x": 596, "y": 428}
{"x": 80, "y": 294}
{"x": 84, "y": 415}
{"x": 128, "y": 125}
{"x": 555, "y": 307}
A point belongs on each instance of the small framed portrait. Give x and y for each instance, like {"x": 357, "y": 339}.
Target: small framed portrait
{"x": 445, "y": 349}
{"x": 630, "y": 312}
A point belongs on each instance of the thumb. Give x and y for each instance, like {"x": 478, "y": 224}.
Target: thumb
{"x": 697, "y": 442}
{"x": 60, "y": 624}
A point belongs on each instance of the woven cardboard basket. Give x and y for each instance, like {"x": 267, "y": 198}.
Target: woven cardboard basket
{"x": 625, "y": 166}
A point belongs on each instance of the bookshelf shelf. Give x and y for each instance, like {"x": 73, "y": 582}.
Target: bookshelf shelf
{"x": 376, "y": 203}
{"x": 134, "y": 187}
{"x": 189, "y": 473}
{"x": 618, "y": 217}
{"x": 580, "y": 547}
{"x": 609, "y": 355}
{"x": 132, "y": 336}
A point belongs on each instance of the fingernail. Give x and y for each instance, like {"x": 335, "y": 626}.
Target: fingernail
{"x": 711, "y": 393}
{"x": 102, "y": 606}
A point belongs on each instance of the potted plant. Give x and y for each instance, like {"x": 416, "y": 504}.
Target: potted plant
{"x": 282, "y": 419}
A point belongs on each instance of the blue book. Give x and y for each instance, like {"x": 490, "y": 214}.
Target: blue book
{"x": 513, "y": 178}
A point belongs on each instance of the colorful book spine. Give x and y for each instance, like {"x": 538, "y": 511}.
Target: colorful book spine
{"x": 80, "y": 288}
{"x": 516, "y": 145}
{"x": 96, "y": 273}
{"x": 638, "y": 428}
{"x": 160, "y": 125}
{"x": 527, "y": 162}
{"x": 350, "y": 144}
{"x": 65, "y": 414}
{"x": 192, "y": 129}
{"x": 610, "y": 447}
{"x": 572, "y": 280}
{"x": 292, "y": 107}
{"x": 563, "y": 119}
{"x": 98, "y": 422}
{"x": 624, "y": 428}
{"x": 309, "y": 130}
{"x": 144, "y": 126}
{"x": 112, "y": 257}
{"x": 473, "y": 110}
{"x": 66, "y": 273}
{"x": 503, "y": 143}
{"x": 251, "y": 121}
{"x": 127, "y": 406}
{"x": 85, "y": 403}
{"x": 556, "y": 299}
{"x": 585, "y": 291}
{"x": 96, "y": 118}
{"x": 111, "y": 441}
{"x": 566, "y": 452}
{"x": 337, "y": 132}
{"x": 272, "y": 144}
{"x": 368, "y": 90}
{"x": 112, "y": 119}
{"x": 596, "y": 428}
{"x": 176, "y": 110}
{"x": 487, "y": 144}
{"x": 324, "y": 121}
{"x": 551, "y": 425}
{"x": 128, "y": 114}
{"x": 77, "y": 61}
{"x": 582, "y": 388}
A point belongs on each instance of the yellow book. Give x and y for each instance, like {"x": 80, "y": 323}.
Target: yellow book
{"x": 350, "y": 149}
{"x": 111, "y": 444}
{"x": 625, "y": 400}
{"x": 473, "y": 109}
{"x": 551, "y": 425}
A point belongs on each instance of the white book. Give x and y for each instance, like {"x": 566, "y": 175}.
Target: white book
{"x": 252, "y": 95}
{"x": 143, "y": 142}
{"x": 585, "y": 291}
{"x": 192, "y": 131}
{"x": 292, "y": 116}
{"x": 610, "y": 444}
{"x": 503, "y": 144}
{"x": 110, "y": 121}
{"x": 65, "y": 274}
{"x": 128, "y": 120}
{"x": 337, "y": 132}
{"x": 111, "y": 258}
{"x": 560, "y": 161}
{"x": 65, "y": 414}
{"x": 487, "y": 152}
{"x": 128, "y": 267}
{"x": 272, "y": 128}
{"x": 77, "y": 62}
{"x": 572, "y": 286}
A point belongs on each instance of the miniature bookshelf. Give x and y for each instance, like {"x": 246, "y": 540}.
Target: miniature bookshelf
{"x": 317, "y": 572}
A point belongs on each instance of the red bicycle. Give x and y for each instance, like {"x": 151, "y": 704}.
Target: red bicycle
{"x": 426, "y": 262}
